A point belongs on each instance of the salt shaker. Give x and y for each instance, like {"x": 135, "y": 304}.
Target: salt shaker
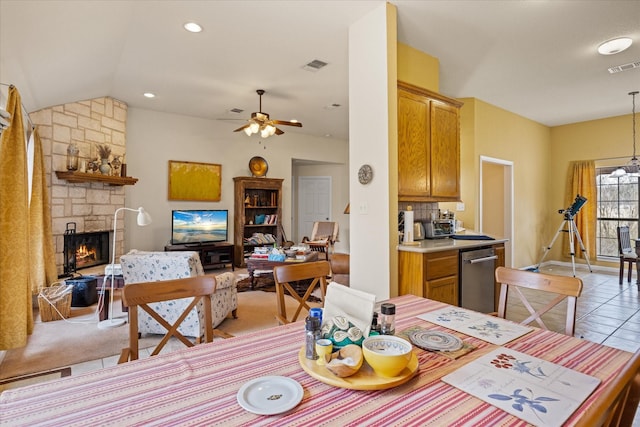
{"x": 388, "y": 319}
{"x": 312, "y": 333}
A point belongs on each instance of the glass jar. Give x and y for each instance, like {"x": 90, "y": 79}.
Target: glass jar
{"x": 72, "y": 157}
{"x": 387, "y": 319}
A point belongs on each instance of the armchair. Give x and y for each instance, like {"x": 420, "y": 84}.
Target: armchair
{"x": 323, "y": 235}
{"x": 140, "y": 266}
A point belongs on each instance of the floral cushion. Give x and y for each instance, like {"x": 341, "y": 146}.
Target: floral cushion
{"x": 140, "y": 266}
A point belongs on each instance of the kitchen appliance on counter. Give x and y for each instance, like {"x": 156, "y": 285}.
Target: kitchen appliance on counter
{"x": 418, "y": 230}
{"x": 439, "y": 228}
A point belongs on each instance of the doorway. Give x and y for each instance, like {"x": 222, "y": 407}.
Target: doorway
{"x": 496, "y": 201}
{"x": 314, "y": 202}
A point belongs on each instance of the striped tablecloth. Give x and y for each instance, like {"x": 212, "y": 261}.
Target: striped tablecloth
{"x": 198, "y": 386}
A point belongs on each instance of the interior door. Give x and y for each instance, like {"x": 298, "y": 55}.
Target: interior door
{"x": 496, "y": 201}
{"x": 314, "y": 203}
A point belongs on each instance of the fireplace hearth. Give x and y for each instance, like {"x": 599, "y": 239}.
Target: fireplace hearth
{"x": 83, "y": 250}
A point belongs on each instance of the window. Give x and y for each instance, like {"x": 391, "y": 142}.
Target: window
{"x": 618, "y": 204}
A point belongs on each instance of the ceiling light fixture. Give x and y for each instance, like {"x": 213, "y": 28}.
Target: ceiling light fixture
{"x": 613, "y": 46}
{"x": 261, "y": 123}
{"x": 149, "y": 95}
{"x": 192, "y": 27}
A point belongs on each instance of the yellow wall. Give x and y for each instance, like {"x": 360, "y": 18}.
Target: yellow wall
{"x": 591, "y": 140}
{"x": 418, "y": 68}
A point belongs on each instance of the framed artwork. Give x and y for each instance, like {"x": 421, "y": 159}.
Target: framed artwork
{"x": 194, "y": 181}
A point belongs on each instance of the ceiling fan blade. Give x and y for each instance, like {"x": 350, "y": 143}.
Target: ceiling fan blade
{"x": 279, "y": 132}
{"x": 242, "y": 128}
{"x": 282, "y": 122}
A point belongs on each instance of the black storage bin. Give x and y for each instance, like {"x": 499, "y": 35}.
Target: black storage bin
{"x": 84, "y": 291}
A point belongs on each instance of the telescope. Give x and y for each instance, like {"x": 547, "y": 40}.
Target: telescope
{"x": 575, "y": 207}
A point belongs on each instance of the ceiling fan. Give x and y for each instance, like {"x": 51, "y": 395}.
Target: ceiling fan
{"x": 260, "y": 122}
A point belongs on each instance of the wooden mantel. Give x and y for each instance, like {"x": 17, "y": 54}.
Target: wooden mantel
{"x": 71, "y": 176}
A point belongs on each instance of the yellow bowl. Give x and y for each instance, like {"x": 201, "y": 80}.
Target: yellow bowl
{"x": 388, "y": 355}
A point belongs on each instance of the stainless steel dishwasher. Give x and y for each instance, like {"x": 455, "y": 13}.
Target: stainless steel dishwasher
{"x": 477, "y": 267}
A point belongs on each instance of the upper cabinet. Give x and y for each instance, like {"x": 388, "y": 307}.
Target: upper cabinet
{"x": 428, "y": 146}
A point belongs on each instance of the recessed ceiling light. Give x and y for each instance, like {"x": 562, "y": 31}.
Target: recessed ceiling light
{"x": 614, "y": 46}
{"x": 149, "y": 95}
{"x": 192, "y": 27}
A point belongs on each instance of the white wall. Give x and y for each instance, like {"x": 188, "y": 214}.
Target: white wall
{"x": 154, "y": 138}
{"x": 368, "y": 144}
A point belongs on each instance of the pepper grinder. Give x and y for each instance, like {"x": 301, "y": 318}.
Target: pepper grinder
{"x": 312, "y": 334}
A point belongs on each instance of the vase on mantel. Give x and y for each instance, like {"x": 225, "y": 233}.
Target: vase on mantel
{"x": 105, "y": 169}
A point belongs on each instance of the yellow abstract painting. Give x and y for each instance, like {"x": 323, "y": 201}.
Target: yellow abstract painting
{"x": 194, "y": 181}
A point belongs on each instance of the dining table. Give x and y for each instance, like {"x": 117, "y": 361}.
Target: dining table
{"x": 199, "y": 386}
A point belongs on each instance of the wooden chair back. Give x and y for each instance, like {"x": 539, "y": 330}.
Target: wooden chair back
{"x": 565, "y": 287}
{"x": 286, "y": 275}
{"x": 624, "y": 241}
{"x": 618, "y": 403}
{"x": 135, "y": 295}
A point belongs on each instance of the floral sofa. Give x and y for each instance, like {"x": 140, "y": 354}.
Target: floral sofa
{"x": 140, "y": 266}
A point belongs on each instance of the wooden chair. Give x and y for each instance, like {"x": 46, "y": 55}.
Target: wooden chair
{"x": 618, "y": 403}
{"x": 627, "y": 254}
{"x": 340, "y": 268}
{"x": 564, "y": 286}
{"x": 142, "y": 294}
{"x": 323, "y": 236}
{"x": 284, "y": 275}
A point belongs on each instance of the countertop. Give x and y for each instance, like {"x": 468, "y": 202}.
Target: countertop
{"x": 437, "y": 245}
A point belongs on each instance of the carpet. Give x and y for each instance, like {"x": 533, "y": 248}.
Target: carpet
{"x": 59, "y": 343}
{"x": 266, "y": 284}
{"x": 40, "y": 377}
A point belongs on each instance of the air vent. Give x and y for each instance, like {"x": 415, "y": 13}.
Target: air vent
{"x": 236, "y": 110}
{"x": 624, "y": 67}
{"x": 315, "y": 65}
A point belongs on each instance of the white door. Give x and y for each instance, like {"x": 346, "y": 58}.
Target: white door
{"x": 314, "y": 203}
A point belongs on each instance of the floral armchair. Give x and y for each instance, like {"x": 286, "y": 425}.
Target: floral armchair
{"x": 140, "y": 266}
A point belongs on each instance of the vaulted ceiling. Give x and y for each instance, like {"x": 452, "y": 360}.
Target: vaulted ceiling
{"x": 534, "y": 58}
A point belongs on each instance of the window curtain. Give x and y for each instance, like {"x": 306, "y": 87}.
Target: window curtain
{"x": 16, "y": 314}
{"x": 42, "y": 257}
{"x": 582, "y": 181}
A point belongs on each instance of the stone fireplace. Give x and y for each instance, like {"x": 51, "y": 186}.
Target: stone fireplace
{"x": 90, "y": 206}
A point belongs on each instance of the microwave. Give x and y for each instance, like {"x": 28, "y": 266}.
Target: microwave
{"x": 439, "y": 228}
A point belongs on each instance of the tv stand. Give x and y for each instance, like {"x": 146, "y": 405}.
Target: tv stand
{"x": 211, "y": 254}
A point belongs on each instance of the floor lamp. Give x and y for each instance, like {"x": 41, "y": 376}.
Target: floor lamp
{"x": 143, "y": 219}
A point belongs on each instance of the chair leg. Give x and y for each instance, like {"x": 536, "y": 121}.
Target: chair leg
{"x": 630, "y": 271}
{"x": 621, "y": 271}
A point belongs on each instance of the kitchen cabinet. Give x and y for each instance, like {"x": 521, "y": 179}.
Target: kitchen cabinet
{"x": 431, "y": 275}
{"x": 255, "y": 198}
{"x": 428, "y": 145}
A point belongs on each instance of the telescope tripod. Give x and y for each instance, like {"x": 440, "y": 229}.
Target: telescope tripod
{"x": 568, "y": 226}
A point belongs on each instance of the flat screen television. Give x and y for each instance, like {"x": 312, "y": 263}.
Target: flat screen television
{"x": 199, "y": 226}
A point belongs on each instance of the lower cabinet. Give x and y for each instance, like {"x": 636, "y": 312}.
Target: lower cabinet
{"x": 432, "y": 275}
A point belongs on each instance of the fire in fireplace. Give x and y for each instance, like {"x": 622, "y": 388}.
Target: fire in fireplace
{"x": 83, "y": 250}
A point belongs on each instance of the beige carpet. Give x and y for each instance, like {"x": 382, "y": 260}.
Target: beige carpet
{"x": 59, "y": 343}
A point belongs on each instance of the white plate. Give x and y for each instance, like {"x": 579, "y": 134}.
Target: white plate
{"x": 270, "y": 395}
{"x": 436, "y": 340}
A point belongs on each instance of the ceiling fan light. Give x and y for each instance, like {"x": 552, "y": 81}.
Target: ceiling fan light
{"x": 254, "y": 127}
{"x": 247, "y": 130}
{"x": 271, "y": 129}
{"x": 265, "y": 133}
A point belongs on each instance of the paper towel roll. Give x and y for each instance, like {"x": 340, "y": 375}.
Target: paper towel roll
{"x": 408, "y": 227}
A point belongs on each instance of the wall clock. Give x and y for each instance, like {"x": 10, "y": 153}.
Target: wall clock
{"x": 365, "y": 174}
